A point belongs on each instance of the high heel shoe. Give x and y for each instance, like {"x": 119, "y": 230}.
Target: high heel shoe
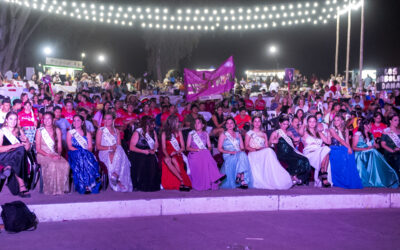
{"x": 327, "y": 184}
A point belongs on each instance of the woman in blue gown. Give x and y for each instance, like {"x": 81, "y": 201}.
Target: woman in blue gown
{"x": 84, "y": 166}
{"x": 372, "y": 167}
{"x": 236, "y": 165}
{"x": 343, "y": 163}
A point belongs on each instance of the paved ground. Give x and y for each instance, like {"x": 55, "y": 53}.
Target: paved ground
{"x": 332, "y": 229}
{"x": 109, "y": 195}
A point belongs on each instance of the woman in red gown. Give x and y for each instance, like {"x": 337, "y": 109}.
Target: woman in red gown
{"x": 173, "y": 175}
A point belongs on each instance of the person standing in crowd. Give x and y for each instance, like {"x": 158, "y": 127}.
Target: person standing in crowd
{"x": 14, "y": 145}
{"x": 28, "y": 121}
{"x": 372, "y": 167}
{"x": 203, "y": 168}
{"x": 108, "y": 143}
{"x": 173, "y": 175}
{"x": 62, "y": 124}
{"x": 236, "y": 165}
{"x": 68, "y": 113}
{"x": 190, "y": 119}
{"x": 391, "y": 143}
{"x": 55, "y": 169}
{"x": 84, "y": 166}
{"x": 266, "y": 170}
{"x": 249, "y": 105}
{"x": 145, "y": 172}
{"x": 298, "y": 165}
{"x": 316, "y": 152}
{"x": 342, "y": 159}
{"x": 274, "y": 86}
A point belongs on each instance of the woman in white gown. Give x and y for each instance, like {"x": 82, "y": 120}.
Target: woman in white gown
{"x": 266, "y": 170}
{"x": 317, "y": 153}
{"x": 111, "y": 153}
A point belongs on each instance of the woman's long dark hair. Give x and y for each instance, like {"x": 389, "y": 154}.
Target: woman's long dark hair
{"x": 308, "y": 130}
{"x": 361, "y": 128}
{"x": 54, "y": 135}
{"x": 343, "y": 130}
{"x": 146, "y": 122}
{"x": 170, "y": 126}
{"x": 83, "y": 124}
{"x": 234, "y": 122}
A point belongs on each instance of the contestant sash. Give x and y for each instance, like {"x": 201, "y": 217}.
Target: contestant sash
{"x": 395, "y": 138}
{"x": 110, "y": 139}
{"x": 288, "y": 140}
{"x": 234, "y": 142}
{"x": 197, "y": 140}
{"x": 81, "y": 141}
{"x": 13, "y": 140}
{"x": 175, "y": 145}
{"x": 147, "y": 137}
{"x": 256, "y": 140}
{"x": 47, "y": 139}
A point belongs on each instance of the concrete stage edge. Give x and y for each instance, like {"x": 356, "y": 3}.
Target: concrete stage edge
{"x": 118, "y": 205}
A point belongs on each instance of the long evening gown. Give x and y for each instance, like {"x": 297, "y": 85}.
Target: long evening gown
{"x": 315, "y": 152}
{"x": 55, "y": 172}
{"x": 343, "y": 167}
{"x": 392, "y": 158}
{"x": 204, "y": 170}
{"x": 168, "y": 179}
{"x": 17, "y": 159}
{"x": 266, "y": 170}
{"x": 145, "y": 172}
{"x": 85, "y": 168}
{"x": 119, "y": 165}
{"x": 372, "y": 167}
{"x": 234, "y": 165}
{"x": 298, "y": 165}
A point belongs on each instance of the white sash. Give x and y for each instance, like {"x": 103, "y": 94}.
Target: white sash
{"x": 150, "y": 141}
{"x": 197, "y": 140}
{"x": 175, "y": 143}
{"x": 395, "y": 138}
{"x": 234, "y": 142}
{"x": 13, "y": 140}
{"x": 256, "y": 141}
{"x": 81, "y": 141}
{"x": 288, "y": 140}
{"x": 47, "y": 139}
{"x": 111, "y": 140}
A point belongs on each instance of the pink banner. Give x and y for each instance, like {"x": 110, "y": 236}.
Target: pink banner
{"x": 204, "y": 83}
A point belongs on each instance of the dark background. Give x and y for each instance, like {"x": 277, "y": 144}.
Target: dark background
{"x": 309, "y": 48}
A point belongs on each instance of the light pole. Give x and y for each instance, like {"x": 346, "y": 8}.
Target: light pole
{"x": 361, "y": 45}
{"x": 337, "y": 43}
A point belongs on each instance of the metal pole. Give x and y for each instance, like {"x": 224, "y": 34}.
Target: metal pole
{"x": 348, "y": 48}
{"x": 337, "y": 43}
{"x": 360, "y": 81}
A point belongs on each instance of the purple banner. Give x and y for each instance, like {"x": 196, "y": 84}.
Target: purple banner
{"x": 289, "y": 75}
{"x": 204, "y": 83}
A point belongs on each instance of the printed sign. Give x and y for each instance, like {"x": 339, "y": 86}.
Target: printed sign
{"x": 388, "y": 79}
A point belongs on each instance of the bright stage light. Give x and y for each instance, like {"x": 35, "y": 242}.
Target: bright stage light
{"x": 47, "y": 51}
{"x": 101, "y": 58}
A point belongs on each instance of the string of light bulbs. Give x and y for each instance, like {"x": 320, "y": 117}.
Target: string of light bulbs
{"x": 197, "y": 19}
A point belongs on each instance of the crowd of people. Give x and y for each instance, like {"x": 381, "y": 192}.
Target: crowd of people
{"x": 316, "y": 135}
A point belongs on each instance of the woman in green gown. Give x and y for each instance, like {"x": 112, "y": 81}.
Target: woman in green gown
{"x": 371, "y": 165}
{"x": 391, "y": 143}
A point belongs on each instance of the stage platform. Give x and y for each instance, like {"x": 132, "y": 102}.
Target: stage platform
{"x": 110, "y": 204}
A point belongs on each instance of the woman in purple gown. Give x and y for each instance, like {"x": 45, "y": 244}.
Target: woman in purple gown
{"x": 203, "y": 168}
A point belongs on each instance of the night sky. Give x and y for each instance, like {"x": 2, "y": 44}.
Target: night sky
{"x": 309, "y": 48}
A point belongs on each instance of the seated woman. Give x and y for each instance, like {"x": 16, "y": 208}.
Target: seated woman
{"x": 173, "y": 175}
{"x": 298, "y": 165}
{"x": 266, "y": 170}
{"x": 372, "y": 167}
{"x": 218, "y": 121}
{"x": 55, "y": 169}
{"x": 391, "y": 143}
{"x": 203, "y": 168}
{"x": 145, "y": 172}
{"x": 342, "y": 159}
{"x": 14, "y": 145}
{"x": 236, "y": 165}
{"x": 108, "y": 142}
{"x": 85, "y": 168}
{"x": 316, "y": 152}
